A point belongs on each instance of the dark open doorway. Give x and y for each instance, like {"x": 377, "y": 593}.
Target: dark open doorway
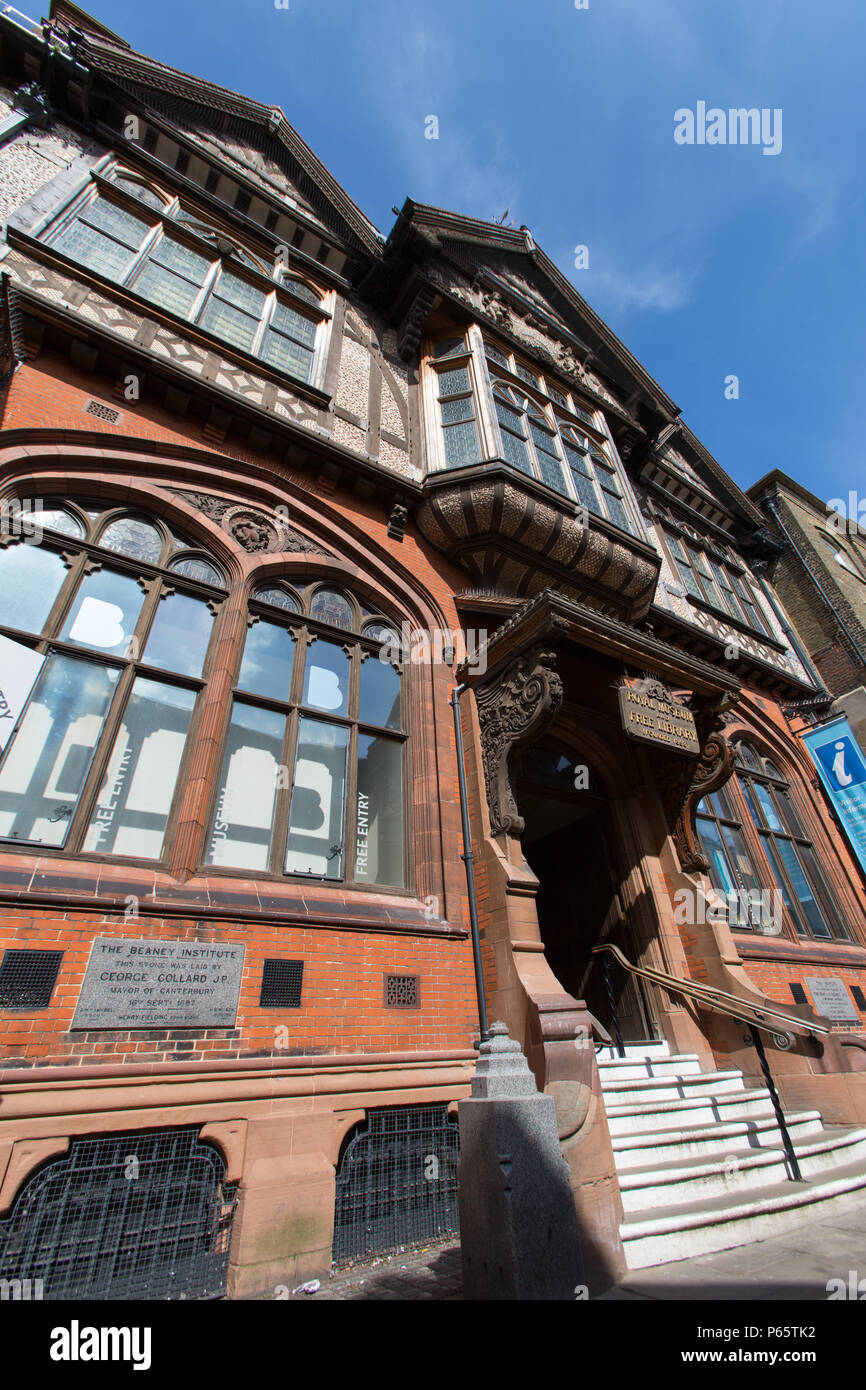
{"x": 567, "y": 842}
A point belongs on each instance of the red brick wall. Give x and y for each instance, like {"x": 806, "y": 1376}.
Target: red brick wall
{"x": 341, "y": 1003}
{"x": 342, "y": 1009}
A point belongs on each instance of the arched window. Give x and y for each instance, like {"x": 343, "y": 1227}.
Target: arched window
{"x": 106, "y": 623}
{"x": 313, "y": 770}
{"x": 788, "y": 860}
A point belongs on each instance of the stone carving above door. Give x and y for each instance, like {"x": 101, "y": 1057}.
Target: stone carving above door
{"x": 514, "y": 709}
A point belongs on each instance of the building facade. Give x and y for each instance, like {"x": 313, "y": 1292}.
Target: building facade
{"x": 273, "y": 486}
{"x": 819, "y": 573}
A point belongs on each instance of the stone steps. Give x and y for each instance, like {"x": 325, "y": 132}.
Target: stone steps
{"x": 700, "y": 1159}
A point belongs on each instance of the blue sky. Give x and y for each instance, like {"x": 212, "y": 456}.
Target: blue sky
{"x": 707, "y": 261}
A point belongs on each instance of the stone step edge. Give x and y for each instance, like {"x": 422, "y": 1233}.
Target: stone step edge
{"x": 645, "y": 1107}
{"x": 713, "y": 1212}
{"x": 698, "y": 1078}
{"x": 658, "y": 1058}
{"x": 687, "y": 1169}
{"x": 660, "y": 1138}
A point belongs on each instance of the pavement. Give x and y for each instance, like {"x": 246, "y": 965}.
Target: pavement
{"x": 795, "y": 1266}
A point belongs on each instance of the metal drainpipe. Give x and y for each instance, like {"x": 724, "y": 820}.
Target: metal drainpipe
{"x": 469, "y": 861}
{"x": 828, "y": 601}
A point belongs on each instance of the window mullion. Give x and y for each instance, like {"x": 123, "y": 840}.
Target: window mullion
{"x": 143, "y": 254}
{"x": 101, "y": 756}
{"x": 283, "y": 801}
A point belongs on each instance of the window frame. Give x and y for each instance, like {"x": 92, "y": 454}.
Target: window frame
{"x": 739, "y": 817}
{"x": 731, "y": 584}
{"x": 292, "y": 710}
{"x": 85, "y": 555}
{"x": 174, "y": 222}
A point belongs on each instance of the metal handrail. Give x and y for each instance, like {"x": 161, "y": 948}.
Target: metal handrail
{"x": 720, "y": 1001}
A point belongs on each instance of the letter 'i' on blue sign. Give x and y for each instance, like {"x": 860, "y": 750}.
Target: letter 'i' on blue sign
{"x": 842, "y": 769}
{"x": 842, "y": 762}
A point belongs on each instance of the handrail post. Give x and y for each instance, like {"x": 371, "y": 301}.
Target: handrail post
{"x": 755, "y": 1038}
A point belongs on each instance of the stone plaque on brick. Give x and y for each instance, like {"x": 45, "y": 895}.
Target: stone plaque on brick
{"x": 831, "y": 998}
{"x": 155, "y": 983}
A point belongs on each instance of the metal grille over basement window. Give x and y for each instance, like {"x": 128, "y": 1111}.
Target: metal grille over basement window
{"x": 402, "y": 992}
{"x": 397, "y": 1182}
{"x": 27, "y": 978}
{"x": 124, "y": 1216}
{"x": 281, "y": 984}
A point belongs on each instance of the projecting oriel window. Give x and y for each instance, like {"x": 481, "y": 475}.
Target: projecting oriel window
{"x": 106, "y": 619}
{"x": 312, "y": 781}
{"x": 538, "y": 428}
{"x": 141, "y": 238}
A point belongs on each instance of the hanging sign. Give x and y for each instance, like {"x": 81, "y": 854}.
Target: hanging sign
{"x": 650, "y": 714}
{"x": 842, "y": 768}
{"x": 19, "y": 667}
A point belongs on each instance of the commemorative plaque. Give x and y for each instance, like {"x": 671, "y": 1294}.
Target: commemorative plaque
{"x": 832, "y": 999}
{"x": 156, "y": 983}
{"x": 650, "y": 714}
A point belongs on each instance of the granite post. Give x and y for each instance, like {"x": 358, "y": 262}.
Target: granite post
{"x": 518, "y": 1226}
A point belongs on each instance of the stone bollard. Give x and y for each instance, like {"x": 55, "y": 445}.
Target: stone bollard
{"x": 518, "y": 1227}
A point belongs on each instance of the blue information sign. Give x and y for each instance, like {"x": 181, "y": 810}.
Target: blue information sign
{"x": 842, "y": 769}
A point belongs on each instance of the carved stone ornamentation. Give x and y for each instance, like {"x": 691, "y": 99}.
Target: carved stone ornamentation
{"x": 412, "y": 328}
{"x": 250, "y": 530}
{"x": 514, "y": 709}
{"x": 496, "y": 308}
{"x": 398, "y": 518}
{"x": 258, "y": 533}
{"x": 682, "y": 789}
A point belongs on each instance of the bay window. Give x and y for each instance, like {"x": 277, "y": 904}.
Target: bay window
{"x": 709, "y": 575}
{"x": 538, "y": 427}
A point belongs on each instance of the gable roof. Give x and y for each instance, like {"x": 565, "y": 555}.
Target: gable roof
{"x": 439, "y": 226}
{"x": 111, "y": 57}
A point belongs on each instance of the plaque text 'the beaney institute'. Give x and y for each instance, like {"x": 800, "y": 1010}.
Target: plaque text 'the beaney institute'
{"x": 156, "y": 983}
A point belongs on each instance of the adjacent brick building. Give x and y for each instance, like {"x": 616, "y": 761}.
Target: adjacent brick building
{"x": 273, "y": 485}
{"x": 819, "y": 573}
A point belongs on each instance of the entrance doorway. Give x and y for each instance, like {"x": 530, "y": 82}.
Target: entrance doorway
{"x": 567, "y": 842}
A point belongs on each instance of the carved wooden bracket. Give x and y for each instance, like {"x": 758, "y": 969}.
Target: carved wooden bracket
{"x": 683, "y": 789}
{"x": 513, "y": 710}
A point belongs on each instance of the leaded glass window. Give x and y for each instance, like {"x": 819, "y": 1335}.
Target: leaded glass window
{"x": 457, "y": 414}
{"x": 116, "y": 646}
{"x": 708, "y": 575}
{"x": 182, "y": 266}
